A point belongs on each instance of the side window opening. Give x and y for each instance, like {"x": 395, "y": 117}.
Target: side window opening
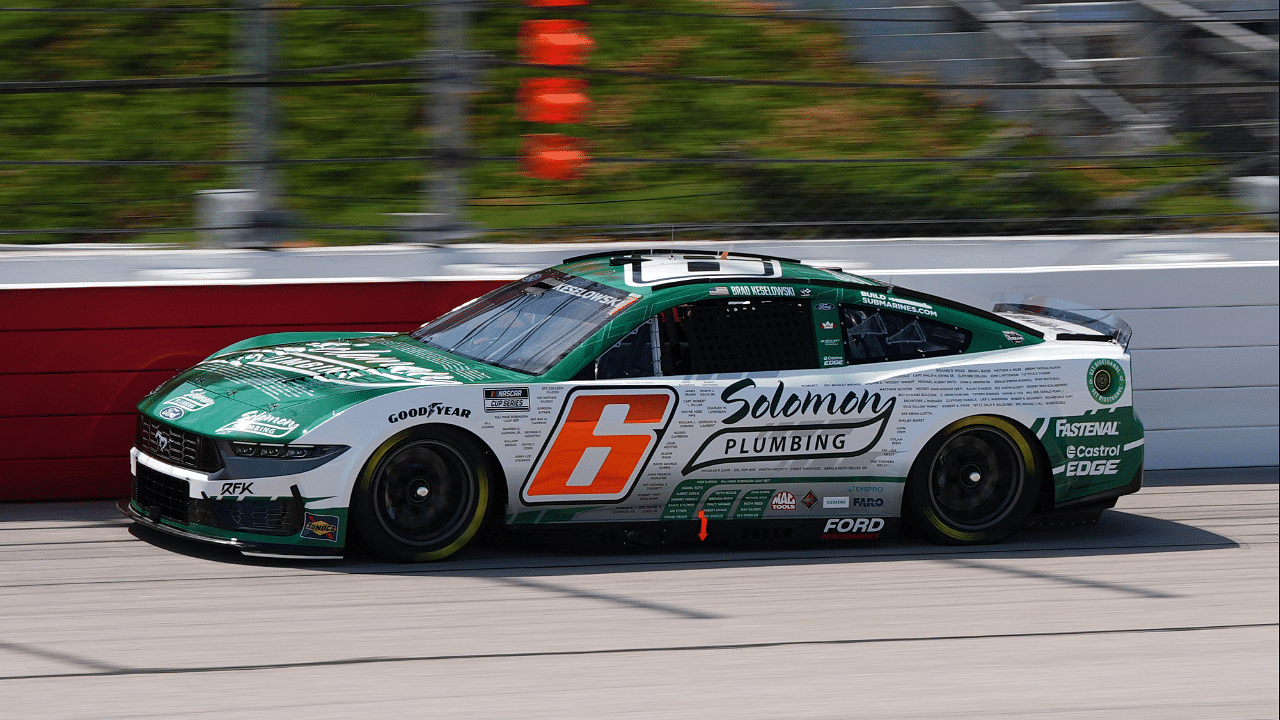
{"x": 879, "y": 335}
{"x": 713, "y": 336}
{"x": 726, "y": 336}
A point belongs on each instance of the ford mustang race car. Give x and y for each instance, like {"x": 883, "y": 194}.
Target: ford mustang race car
{"x": 650, "y": 397}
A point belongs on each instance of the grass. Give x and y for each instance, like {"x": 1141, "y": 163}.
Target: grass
{"x": 631, "y": 118}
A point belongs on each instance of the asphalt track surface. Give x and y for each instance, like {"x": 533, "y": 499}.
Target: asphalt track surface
{"x": 1167, "y": 608}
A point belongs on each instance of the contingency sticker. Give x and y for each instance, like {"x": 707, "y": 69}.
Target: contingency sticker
{"x": 826, "y": 327}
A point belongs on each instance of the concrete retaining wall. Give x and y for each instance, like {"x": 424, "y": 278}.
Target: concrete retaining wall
{"x": 86, "y": 332}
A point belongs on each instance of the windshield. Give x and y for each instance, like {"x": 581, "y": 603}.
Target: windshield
{"x": 529, "y": 325}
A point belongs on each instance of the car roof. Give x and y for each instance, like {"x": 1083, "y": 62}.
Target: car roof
{"x": 641, "y": 270}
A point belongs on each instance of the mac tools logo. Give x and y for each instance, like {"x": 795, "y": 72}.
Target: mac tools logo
{"x": 868, "y": 414}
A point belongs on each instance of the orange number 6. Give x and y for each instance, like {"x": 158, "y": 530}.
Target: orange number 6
{"x": 600, "y": 446}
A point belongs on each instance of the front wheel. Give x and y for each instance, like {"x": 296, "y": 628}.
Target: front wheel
{"x": 975, "y": 483}
{"x": 421, "y": 496}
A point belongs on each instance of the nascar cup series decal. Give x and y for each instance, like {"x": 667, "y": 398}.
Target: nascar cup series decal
{"x": 1106, "y": 380}
{"x": 600, "y": 445}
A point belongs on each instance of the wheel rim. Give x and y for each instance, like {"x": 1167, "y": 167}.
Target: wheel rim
{"x": 423, "y": 493}
{"x": 976, "y": 478}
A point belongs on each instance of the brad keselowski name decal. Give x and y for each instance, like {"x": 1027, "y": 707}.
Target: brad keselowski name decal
{"x": 807, "y": 441}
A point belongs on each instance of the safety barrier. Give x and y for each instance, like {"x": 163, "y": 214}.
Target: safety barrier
{"x": 76, "y": 358}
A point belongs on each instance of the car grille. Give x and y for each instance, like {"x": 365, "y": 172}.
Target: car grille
{"x": 270, "y": 517}
{"x": 179, "y": 447}
{"x": 154, "y": 491}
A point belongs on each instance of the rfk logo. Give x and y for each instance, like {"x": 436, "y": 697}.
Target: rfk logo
{"x": 600, "y": 445}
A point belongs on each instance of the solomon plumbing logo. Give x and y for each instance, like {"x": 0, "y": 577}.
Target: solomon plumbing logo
{"x": 260, "y": 423}
{"x": 340, "y": 363}
{"x": 805, "y": 441}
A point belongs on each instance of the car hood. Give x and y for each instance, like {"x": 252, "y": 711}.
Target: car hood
{"x": 278, "y": 391}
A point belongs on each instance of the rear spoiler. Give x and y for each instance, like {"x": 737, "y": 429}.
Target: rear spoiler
{"x": 1099, "y": 321}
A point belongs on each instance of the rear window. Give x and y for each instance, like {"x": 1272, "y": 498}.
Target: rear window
{"x": 878, "y": 335}
{"x": 529, "y": 325}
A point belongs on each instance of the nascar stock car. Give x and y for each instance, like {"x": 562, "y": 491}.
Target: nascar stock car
{"x": 649, "y": 397}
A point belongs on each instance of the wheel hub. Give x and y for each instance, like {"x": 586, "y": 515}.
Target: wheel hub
{"x": 419, "y": 490}
{"x": 976, "y": 478}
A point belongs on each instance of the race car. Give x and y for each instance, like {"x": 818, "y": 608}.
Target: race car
{"x": 650, "y": 396}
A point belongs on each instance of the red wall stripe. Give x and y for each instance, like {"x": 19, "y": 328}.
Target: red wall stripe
{"x": 76, "y": 361}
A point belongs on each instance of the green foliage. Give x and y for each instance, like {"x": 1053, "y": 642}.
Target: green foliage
{"x": 632, "y": 118}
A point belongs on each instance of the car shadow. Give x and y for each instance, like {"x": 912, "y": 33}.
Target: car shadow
{"x": 507, "y": 553}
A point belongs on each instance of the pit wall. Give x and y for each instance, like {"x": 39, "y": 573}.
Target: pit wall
{"x": 77, "y": 358}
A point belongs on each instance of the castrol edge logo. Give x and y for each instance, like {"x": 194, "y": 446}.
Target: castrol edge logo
{"x": 600, "y": 445}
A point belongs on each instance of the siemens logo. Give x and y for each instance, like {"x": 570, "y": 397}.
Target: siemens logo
{"x": 1086, "y": 429}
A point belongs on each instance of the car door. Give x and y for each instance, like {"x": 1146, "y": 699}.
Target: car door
{"x": 763, "y": 420}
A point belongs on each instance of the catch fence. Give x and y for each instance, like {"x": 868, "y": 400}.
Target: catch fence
{"x": 749, "y": 121}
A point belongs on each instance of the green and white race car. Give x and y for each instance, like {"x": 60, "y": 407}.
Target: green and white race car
{"x": 650, "y": 397}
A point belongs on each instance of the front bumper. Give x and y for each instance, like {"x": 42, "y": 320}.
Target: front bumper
{"x": 245, "y": 546}
{"x": 177, "y": 501}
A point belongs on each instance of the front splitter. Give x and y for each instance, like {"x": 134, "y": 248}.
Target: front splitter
{"x": 246, "y": 547}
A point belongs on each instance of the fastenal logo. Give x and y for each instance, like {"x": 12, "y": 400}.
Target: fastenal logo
{"x": 783, "y": 501}
{"x": 1106, "y": 380}
{"x": 1062, "y": 428}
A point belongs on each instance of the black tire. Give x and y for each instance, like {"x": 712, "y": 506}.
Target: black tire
{"x": 975, "y": 483}
{"x": 422, "y": 495}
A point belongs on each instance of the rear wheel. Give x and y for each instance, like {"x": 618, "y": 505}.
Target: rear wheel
{"x": 422, "y": 495}
{"x": 975, "y": 483}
